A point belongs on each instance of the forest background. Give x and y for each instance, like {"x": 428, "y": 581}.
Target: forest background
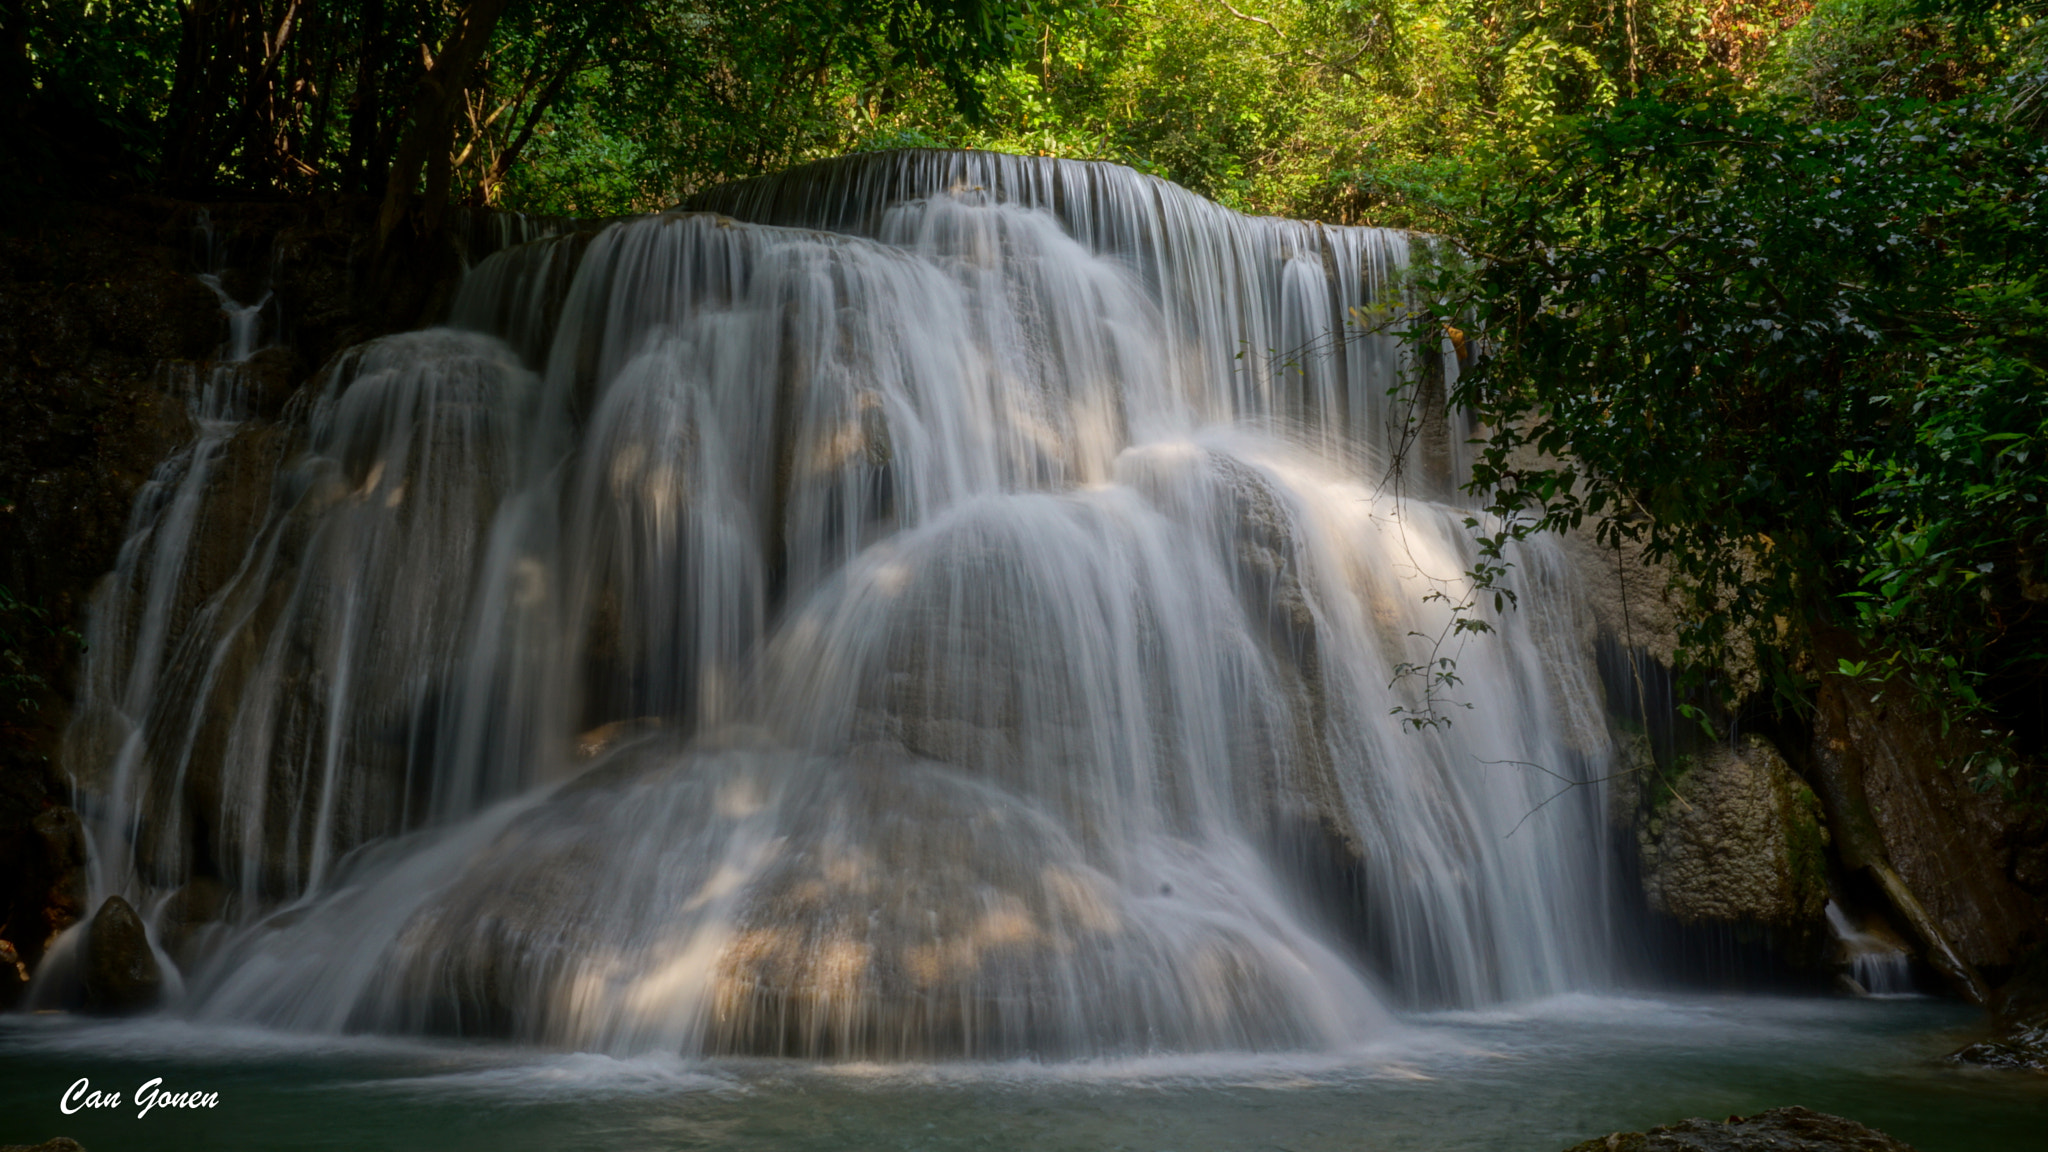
{"x": 1762, "y": 279}
{"x": 1354, "y": 111}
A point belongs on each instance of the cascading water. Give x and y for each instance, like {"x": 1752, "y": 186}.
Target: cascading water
{"x": 982, "y": 576}
{"x": 1878, "y": 966}
{"x": 138, "y": 611}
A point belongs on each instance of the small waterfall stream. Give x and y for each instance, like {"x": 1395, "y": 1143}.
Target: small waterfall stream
{"x": 979, "y": 582}
{"x": 1878, "y": 966}
{"x": 137, "y": 612}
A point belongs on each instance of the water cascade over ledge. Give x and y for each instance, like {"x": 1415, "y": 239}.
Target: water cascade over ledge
{"x": 920, "y": 605}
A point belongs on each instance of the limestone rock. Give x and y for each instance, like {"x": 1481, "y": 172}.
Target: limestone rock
{"x": 901, "y": 911}
{"x": 603, "y": 738}
{"x": 121, "y": 973}
{"x": 1779, "y": 1130}
{"x": 1735, "y": 838}
{"x": 1629, "y": 599}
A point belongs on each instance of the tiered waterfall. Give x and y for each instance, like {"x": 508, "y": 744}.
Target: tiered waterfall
{"x": 921, "y": 605}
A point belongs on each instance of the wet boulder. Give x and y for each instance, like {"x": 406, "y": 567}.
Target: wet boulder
{"x": 764, "y": 903}
{"x": 121, "y": 973}
{"x": 1778, "y": 1130}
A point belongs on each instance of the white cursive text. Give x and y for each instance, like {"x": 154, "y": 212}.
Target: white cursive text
{"x": 81, "y": 1096}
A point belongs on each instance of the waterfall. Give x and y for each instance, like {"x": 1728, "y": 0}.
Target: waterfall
{"x": 1877, "y": 966}
{"x": 926, "y": 604}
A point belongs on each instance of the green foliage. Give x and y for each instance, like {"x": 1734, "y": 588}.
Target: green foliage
{"x": 690, "y": 94}
{"x": 625, "y": 104}
{"x": 90, "y": 75}
{"x": 1949, "y": 563}
{"x": 1850, "y": 49}
{"x": 119, "y": 55}
{"x": 1351, "y": 110}
{"x": 1799, "y": 359}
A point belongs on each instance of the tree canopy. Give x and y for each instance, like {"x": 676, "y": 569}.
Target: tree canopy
{"x": 1793, "y": 343}
{"x": 614, "y": 104}
{"x": 1348, "y": 109}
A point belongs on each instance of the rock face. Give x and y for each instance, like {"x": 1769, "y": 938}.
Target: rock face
{"x": 121, "y": 973}
{"x": 2025, "y": 995}
{"x": 1628, "y": 599}
{"x": 1900, "y": 802}
{"x": 1779, "y": 1130}
{"x": 189, "y": 913}
{"x": 1734, "y": 838}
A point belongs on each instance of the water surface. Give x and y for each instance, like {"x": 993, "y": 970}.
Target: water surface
{"x": 1538, "y": 1076}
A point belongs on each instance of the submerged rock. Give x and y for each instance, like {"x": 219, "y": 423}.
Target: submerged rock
{"x": 121, "y": 973}
{"x": 2024, "y": 1046}
{"x": 188, "y": 915}
{"x": 2021, "y": 1008}
{"x": 58, "y": 1144}
{"x": 1792, "y": 1129}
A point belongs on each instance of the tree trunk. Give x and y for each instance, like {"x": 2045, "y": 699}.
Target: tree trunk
{"x": 360, "y": 170}
{"x": 431, "y": 123}
{"x": 188, "y": 83}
